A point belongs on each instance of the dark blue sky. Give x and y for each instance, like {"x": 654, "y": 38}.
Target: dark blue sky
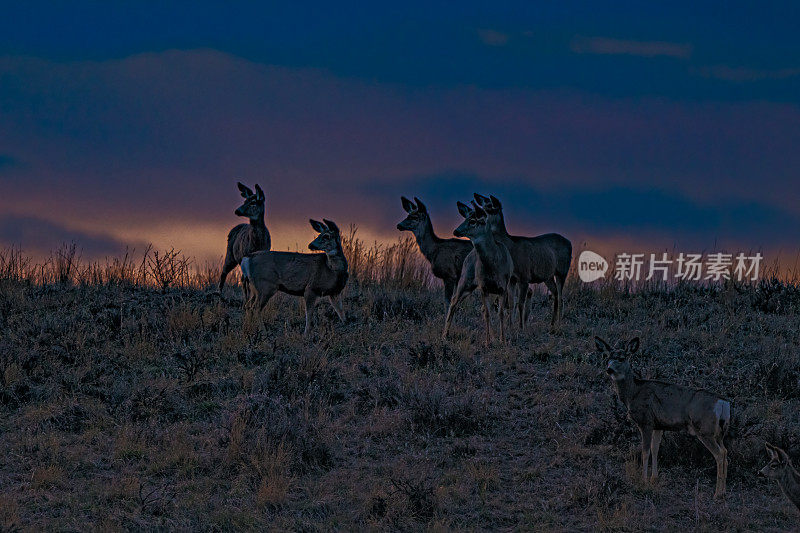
{"x": 658, "y": 124}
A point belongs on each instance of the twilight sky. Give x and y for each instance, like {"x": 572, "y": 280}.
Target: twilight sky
{"x": 625, "y": 127}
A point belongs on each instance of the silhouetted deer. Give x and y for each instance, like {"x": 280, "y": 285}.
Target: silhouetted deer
{"x": 246, "y": 238}
{"x": 308, "y": 275}
{"x": 542, "y": 259}
{"x": 446, "y": 256}
{"x": 656, "y": 406}
{"x": 780, "y": 469}
{"x": 493, "y": 267}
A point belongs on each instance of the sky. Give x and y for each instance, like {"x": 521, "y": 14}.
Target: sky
{"x": 632, "y": 126}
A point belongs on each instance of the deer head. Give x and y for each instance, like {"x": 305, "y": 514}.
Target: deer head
{"x": 253, "y": 206}
{"x": 329, "y": 239}
{"x": 619, "y": 366}
{"x": 778, "y": 462}
{"x": 474, "y": 224}
{"x": 417, "y": 215}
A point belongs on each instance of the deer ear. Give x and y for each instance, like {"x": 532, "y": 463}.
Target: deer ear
{"x": 463, "y": 209}
{"x": 480, "y": 212}
{"x": 331, "y": 225}
{"x": 771, "y": 450}
{"x": 259, "y": 192}
{"x": 420, "y": 206}
{"x": 407, "y": 205}
{"x": 602, "y": 346}
{"x": 782, "y": 455}
{"x": 633, "y": 345}
{"x": 495, "y": 202}
{"x": 318, "y": 226}
{"x": 246, "y": 191}
{"x": 481, "y": 199}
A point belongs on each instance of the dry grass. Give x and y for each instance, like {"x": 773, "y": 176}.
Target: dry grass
{"x": 130, "y": 403}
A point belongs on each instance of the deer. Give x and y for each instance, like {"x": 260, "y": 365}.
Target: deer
{"x": 657, "y": 406}
{"x": 542, "y": 259}
{"x": 311, "y": 276}
{"x": 780, "y": 469}
{"x": 446, "y": 256}
{"x": 246, "y": 238}
{"x": 493, "y": 268}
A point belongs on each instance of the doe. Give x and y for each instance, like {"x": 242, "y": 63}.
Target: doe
{"x": 311, "y": 276}
{"x": 656, "y": 406}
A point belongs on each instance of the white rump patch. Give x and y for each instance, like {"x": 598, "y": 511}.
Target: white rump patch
{"x": 245, "y": 265}
{"x": 723, "y": 410}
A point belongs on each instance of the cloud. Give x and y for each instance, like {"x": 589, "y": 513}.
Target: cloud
{"x": 637, "y": 212}
{"x": 491, "y": 37}
{"x": 39, "y": 237}
{"x": 607, "y": 46}
{"x": 745, "y": 74}
{"x": 149, "y": 148}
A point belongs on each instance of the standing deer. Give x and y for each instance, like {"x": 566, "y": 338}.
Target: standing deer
{"x": 494, "y": 268}
{"x": 446, "y": 256}
{"x": 655, "y": 407}
{"x": 308, "y": 275}
{"x": 543, "y": 259}
{"x": 780, "y": 469}
{"x": 246, "y": 238}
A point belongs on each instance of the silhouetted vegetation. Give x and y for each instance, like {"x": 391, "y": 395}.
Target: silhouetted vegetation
{"x": 132, "y": 396}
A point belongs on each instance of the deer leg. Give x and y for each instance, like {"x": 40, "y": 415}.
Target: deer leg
{"x": 450, "y": 309}
{"x": 310, "y": 299}
{"x": 486, "y": 319}
{"x": 501, "y": 311}
{"x": 260, "y": 300}
{"x": 559, "y": 303}
{"x": 245, "y": 292}
{"x": 725, "y": 471}
{"x": 724, "y": 465}
{"x": 249, "y": 296}
{"x": 449, "y": 286}
{"x": 512, "y": 307}
{"x": 560, "y": 280}
{"x": 720, "y": 456}
{"x": 336, "y": 303}
{"x": 654, "y": 445}
{"x": 647, "y": 434}
{"x": 552, "y": 286}
{"x": 456, "y": 299}
{"x": 527, "y": 307}
{"x": 724, "y": 453}
{"x": 509, "y": 299}
{"x": 229, "y": 264}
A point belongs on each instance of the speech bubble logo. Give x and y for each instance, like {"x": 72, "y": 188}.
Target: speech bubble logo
{"x": 591, "y": 266}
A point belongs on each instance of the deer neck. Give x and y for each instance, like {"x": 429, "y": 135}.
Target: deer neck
{"x": 427, "y": 239}
{"x": 336, "y": 261}
{"x": 486, "y": 247}
{"x": 259, "y": 230}
{"x": 499, "y": 225}
{"x": 626, "y": 389}
{"x": 790, "y": 483}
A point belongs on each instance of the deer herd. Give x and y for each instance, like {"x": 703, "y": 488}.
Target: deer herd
{"x": 495, "y": 264}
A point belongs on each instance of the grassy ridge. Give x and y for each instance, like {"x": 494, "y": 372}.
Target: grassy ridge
{"x": 129, "y": 402}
